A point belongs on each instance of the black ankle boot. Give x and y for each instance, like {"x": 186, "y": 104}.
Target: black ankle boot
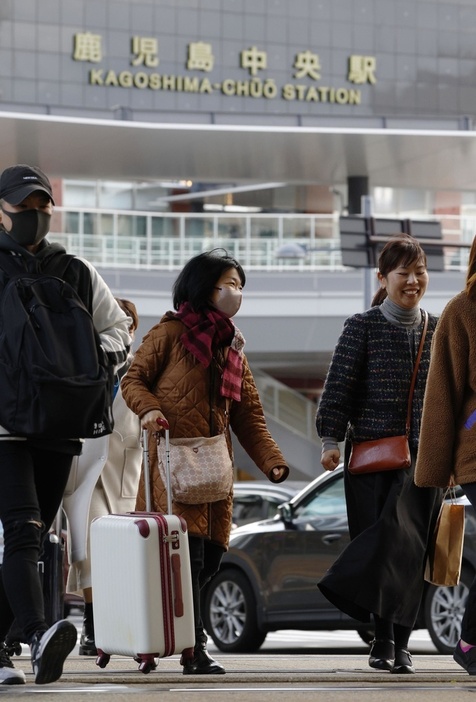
{"x": 403, "y": 664}
{"x": 202, "y": 663}
{"x": 87, "y": 646}
{"x": 382, "y": 654}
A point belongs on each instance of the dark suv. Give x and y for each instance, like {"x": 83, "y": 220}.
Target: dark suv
{"x": 267, "y": 580}
{"x": 260, "y": 499}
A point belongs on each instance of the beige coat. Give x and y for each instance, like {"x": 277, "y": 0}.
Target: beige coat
{"x": 117, "y": 460}
{"x": 448, "y": 431}
{"x": 167, "y": 377}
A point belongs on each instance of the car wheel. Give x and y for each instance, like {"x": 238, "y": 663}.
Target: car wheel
{"x": 443, "y": 610}
{"x": 230, "y": 613}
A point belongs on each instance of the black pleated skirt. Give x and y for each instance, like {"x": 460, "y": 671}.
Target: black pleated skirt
{"x": 381, "y": 570}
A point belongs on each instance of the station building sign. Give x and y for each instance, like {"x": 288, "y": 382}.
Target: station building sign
{"x": 306, "y": 83}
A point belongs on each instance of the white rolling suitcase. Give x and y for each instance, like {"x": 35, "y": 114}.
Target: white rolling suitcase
{"x": 141, "y": 580}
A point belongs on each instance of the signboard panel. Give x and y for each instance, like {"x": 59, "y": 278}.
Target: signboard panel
{"x": 363, "y": 238}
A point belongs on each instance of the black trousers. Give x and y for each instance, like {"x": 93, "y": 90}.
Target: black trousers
{"x": 205, "y": 559}
{"x": 32, "y": 483}
{"x": 468, "y": 625}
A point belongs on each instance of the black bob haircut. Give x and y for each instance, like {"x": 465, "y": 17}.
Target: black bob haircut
{"x": 197, "y": 279}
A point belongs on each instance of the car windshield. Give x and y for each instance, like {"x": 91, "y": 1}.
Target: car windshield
{"x": 323, "y": 503}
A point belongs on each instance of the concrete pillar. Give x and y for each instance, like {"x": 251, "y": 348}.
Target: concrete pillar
{"x": 357, "y": 187}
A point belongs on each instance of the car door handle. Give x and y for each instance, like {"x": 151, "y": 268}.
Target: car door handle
{"x": 330, "y": 538}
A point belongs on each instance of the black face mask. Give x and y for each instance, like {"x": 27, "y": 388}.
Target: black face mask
{"x": 29, "y": 227}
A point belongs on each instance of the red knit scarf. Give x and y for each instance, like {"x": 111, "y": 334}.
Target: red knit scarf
{"x": 207, "y": 331}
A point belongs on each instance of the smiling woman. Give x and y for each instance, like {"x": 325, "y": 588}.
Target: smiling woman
{"x": 365, "y": 398}
{"x": 406, "y": 284}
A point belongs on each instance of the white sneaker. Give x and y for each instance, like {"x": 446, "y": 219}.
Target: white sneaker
{"x": 8, "y": 674}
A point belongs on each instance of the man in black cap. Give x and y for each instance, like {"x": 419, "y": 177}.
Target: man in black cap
{"x": 27, "y": 205}
{"x": 19, "y": 181}
{"x": 34, "y": 472}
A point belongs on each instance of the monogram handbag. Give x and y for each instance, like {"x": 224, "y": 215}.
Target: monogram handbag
{"x": 201, "y": 469}
{"x": 390, "y": 452}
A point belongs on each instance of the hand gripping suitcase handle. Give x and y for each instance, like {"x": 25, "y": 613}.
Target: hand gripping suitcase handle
{"x": 145, "y": 447}
{"x": 162, "y": 423}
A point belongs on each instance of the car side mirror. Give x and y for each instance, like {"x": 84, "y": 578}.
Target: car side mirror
{"x": 285, "y": 512}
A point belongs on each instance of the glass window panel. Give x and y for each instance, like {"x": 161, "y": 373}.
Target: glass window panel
{"x": 165, "y": 227}
{"x": 117, "y": 196}
{"x": 324, "y": 228}
{"x": 297, "y": 228}
{"x": 231, "y": 228}
{"x": 195, "y": 227}
{"x": 89, "y": 222}
{"x": 79, "y": 193}
{"x": 106, "y": 224}
{"x": 264, "y": 227}
{"x": 132, "y": 225}
{"x": 71, "y": 222}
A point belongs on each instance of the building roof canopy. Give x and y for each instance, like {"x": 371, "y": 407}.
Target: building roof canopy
{"x": 116, "y": 150}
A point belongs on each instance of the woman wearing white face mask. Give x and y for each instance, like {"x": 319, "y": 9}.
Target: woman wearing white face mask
{"x": 228, "y": 295}
{"x": 190, "y": 370}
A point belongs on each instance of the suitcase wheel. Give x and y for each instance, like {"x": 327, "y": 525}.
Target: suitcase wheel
{"x": 103, "y": 659}
{"x": 147, "y": 663}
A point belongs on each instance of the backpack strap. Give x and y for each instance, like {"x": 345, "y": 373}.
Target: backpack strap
{"x": 9, "y": 264}
{"x": 55, "y": 265}
{"x": 58, "y": 265}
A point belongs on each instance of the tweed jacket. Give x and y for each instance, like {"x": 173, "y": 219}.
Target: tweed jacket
{"x": 365, "y": 395}
{"x": 448, "y": 432}
{"x": 167, "y": 377}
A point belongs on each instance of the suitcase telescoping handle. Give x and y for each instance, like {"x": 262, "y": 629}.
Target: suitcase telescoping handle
{"x": 145, "y": 446}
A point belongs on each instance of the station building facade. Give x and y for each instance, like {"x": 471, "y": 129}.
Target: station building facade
{"x": 168, "y": 126}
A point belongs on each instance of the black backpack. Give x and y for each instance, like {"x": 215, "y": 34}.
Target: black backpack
{"x": 55, "y": 378}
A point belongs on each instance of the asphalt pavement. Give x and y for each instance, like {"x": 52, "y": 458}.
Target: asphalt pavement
{"x": 263, "y": 668}
{"x": 262, "y": 677}
{"x": 275, "y": 667}
{"x": 334, "y": 666}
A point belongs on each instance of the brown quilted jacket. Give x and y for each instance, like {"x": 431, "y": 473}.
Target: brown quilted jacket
{"x": 167, "y": 377}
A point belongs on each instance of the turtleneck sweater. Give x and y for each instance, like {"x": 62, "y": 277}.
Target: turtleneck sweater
{"x": 409, "y": 319}
{"x": 401, "y": 316}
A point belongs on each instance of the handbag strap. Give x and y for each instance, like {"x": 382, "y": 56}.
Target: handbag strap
{"x": 212, "y": 401}
{"x": 415, "y": 371}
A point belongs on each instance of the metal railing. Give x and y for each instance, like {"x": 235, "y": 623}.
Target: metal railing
{"x": 287, "y": 406}
{"x": 151, "y": 240}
